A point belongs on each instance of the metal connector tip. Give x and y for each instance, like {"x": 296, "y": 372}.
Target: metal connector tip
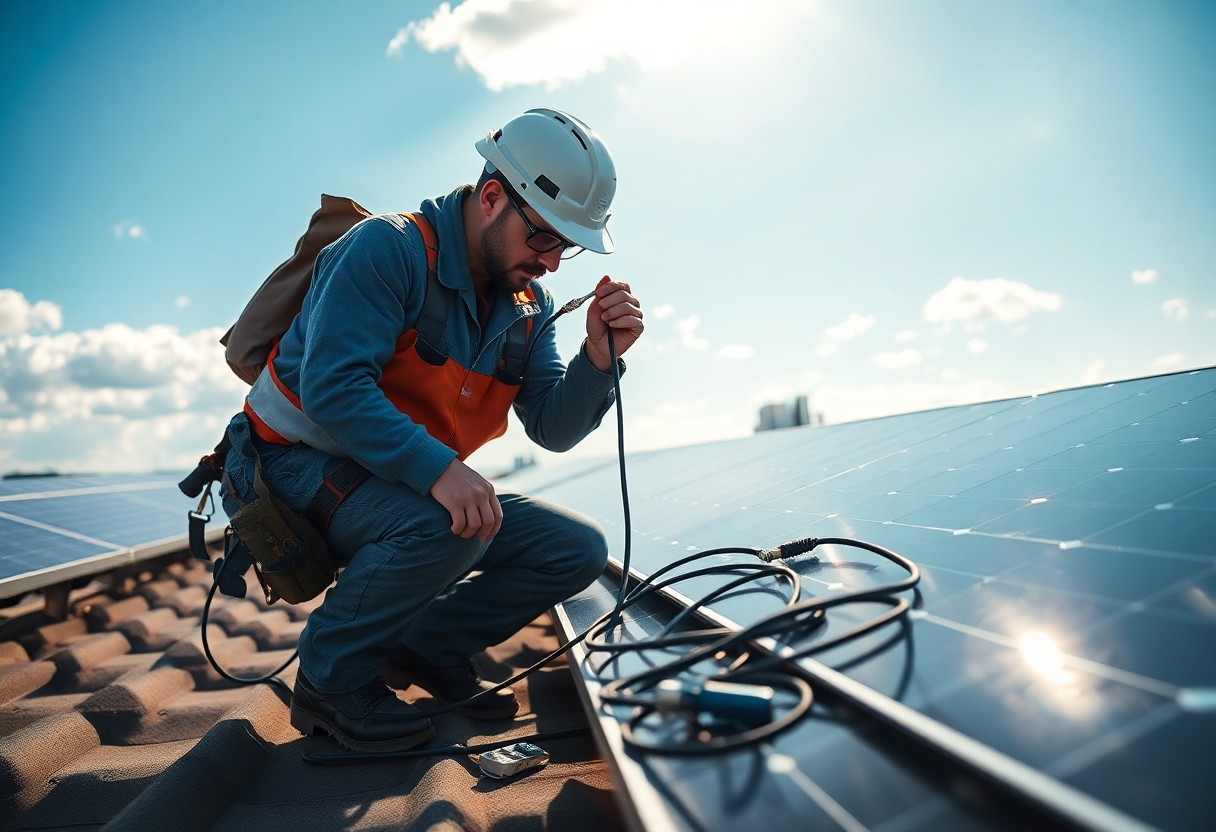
{"x": 571, "y": 305}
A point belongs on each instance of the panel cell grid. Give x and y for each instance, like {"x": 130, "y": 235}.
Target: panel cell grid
{"x": 1067, "y": 610}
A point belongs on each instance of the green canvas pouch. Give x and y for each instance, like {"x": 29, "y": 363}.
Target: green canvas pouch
{"x": 290, "y": 557}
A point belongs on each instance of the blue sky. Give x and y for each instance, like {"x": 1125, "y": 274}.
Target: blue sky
{"x": 885, "y": 206}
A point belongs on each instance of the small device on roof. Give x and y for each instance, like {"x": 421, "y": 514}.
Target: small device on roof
{"x": 512, "y": 759}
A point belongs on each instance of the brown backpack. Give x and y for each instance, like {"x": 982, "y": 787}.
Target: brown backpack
{"x": 276, "y": 303}
{"x": 273, "y": 307}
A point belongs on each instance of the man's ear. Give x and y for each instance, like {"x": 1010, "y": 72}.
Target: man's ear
{"x": 491, "y": 199}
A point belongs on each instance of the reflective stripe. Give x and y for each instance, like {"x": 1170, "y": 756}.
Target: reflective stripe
{"x": 276, "y": 419}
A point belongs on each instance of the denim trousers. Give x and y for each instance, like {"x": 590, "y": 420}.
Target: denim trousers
{"x": 405, "y": 577}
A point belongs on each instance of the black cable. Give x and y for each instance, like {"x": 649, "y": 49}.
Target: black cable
{"x": 620, "y": 457}
{"x": 443, "y": 751}
{"x": 717, "y": 643}
{"x": 570, "y": 306}
{"x": 271, "y": 678}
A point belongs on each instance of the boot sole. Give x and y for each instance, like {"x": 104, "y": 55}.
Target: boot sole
{"x": 309, "y": 723}
{"x": 397, "y": 680}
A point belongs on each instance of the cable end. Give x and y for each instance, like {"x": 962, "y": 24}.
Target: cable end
{"x": 750, "y": 705}
{"x": 571, "y": 305}
{"x": 789, "y": 550}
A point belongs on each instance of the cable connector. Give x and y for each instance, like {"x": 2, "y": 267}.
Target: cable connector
{"x": 751, "y": 705}
{"x": 789, "y": 550}
{"x": 571, "y": 305}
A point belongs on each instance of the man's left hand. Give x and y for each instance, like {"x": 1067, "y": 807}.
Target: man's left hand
{"x": 612, "y": 307}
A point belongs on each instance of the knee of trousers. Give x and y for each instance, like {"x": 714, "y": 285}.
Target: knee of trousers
{"x": 435, "y": 546}
{"x": 383, "y": 523}
{"x": 581, "y": 556}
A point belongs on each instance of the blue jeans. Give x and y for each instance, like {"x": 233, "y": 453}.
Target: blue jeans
{"x": 406, "y": 578}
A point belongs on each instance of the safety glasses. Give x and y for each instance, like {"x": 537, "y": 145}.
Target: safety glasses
{"x": 542, "y": 241}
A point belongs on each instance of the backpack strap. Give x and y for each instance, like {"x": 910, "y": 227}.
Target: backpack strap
{"x": 437, "y": 305}
{"x": 514, "y": 353}
{"x": 434, "y": 315}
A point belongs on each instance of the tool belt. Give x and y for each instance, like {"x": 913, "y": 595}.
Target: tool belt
{"x": 287, "y": 549}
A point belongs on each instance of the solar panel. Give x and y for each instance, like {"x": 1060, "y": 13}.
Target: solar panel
{"x": 56, "y": 528}
{"x": 1066, "y": 619}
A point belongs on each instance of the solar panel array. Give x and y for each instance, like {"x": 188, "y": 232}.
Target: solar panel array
{"x": 56, "y": 528}
{"x": 1065, "y": 620}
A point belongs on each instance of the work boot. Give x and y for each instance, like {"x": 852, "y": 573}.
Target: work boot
{"x": 368, "y": 718}
{"x": 454, "y": 683}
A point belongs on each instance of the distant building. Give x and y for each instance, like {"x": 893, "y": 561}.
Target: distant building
{"x": 787, "y": 415}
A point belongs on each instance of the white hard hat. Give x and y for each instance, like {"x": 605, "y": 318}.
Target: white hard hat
{"x": 562, "y": 169}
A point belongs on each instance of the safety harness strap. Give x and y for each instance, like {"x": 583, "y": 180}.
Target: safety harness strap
{"x": 338, "y": 484}
{"x": 438, "y": 302}
{"x": 514, "y": 351}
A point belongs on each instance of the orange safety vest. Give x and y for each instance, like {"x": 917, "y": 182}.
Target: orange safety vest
{"x": 461, "y": 408}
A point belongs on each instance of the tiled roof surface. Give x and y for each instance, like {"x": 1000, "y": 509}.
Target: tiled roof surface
{"x": 113, "y": 718}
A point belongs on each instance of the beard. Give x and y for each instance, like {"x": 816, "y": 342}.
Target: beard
{"x": 494, "y": 260}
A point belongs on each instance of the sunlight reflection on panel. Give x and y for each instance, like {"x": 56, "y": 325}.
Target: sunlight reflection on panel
{"x": 1041, "y": 653}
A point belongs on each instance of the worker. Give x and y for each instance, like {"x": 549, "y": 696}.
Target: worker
{"x": 437, "y": 565}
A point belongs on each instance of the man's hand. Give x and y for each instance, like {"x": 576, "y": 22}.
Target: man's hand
{"x": 613, "y": 306}
{"x": 470, "y": 499}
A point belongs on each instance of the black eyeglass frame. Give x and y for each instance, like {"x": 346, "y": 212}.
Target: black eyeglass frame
{"x": 569, "y": 249}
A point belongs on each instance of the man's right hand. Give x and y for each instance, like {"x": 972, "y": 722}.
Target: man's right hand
{"x": 470, "y": 499}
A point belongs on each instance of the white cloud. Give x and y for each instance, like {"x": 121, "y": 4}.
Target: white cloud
{"x": 182, "y": 301}
{"x": 511, "y": 43}
{"x": 1144, "y": 277}
{"x": 689, "y": 339}
{"x": 977, "y": 345}
{"x": 1094, "y": 372}
{"x": 1211, "y": 313}
{"x": 825, "y": 350}
{"x": 1166, "y": 362}
{"x": 1176, "y": 309}
{"x": 397, "y": 45}
{"x": 129, "y": 229}
{"x": 906, "y": 335}
{"x": 113, "y": 399}
{"x": 976, "y": 303}
{"x": 665, "y": 310}
{"x": 735, "y": 352}
{"x": 850, "y": 328}
{"x": 898, "y": 360}
{"x": 18, "y": 315}
{"x": 554, "y": 43}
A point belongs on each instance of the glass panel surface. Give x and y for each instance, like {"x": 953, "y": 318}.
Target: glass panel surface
{"x": 1067, "y": 608}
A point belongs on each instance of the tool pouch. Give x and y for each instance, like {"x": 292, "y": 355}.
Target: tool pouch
{"x": 290, "y": 557}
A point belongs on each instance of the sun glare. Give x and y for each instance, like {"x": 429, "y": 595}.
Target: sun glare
{"x": 1041, "y": 653}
